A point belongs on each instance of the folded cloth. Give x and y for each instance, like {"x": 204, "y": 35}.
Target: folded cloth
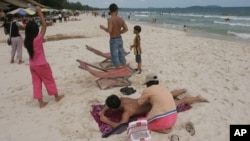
{"x": 113, "y": 115}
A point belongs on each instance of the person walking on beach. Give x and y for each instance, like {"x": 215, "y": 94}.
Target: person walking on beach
{"x": 116, "y": 27}
{"x": 11, "y": 28}
{"x": 39, "y": 67}
{"x": 137, "y": 47}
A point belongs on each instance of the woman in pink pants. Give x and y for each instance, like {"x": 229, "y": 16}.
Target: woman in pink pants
{"x": 39, "y": 67}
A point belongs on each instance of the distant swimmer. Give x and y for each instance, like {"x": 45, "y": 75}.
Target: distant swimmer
{"x": 227, "y": 19}
{"x": 185, "y": 28}
{"x": 153, "y": 21}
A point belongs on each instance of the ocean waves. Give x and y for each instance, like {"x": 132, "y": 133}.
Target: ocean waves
{"x": 231, "y": 22}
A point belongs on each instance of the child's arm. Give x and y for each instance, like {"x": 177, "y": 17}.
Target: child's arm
{"x": 137, "y": 43}
{"x": 43, "y": 22}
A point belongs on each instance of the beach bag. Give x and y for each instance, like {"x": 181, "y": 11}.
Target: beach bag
{"x": 9, "y": 39}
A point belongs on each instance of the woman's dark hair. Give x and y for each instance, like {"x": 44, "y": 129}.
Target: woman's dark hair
{"x": 113, "y": 101}
{"x": 150, "y": 83}
{"x": 113, "y": 7}
{"x": 31, "y": 31}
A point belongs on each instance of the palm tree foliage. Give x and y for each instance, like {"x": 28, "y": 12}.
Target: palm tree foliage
{"x": 65, "y": 4}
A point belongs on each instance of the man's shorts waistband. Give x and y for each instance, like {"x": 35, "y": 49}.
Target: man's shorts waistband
{"x": 162, "y": 115}
{"x": 116, "y": 37}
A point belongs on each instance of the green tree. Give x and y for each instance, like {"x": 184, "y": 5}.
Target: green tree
{"x": 64, "y": 4}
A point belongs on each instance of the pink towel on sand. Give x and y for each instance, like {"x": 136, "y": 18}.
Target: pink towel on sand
{"x": 113, "y": 115}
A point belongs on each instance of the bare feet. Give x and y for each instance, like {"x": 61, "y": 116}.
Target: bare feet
{"x": 58, "y": 97}
{"x": 202, "y": 99}
{"x": 12, "y": 61}
{"x": 174, "y": 137}
{"x": 42, "y": 103}
{"x": 20, "y": 62}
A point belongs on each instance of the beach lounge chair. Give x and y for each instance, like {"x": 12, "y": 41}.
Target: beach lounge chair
{"x": 107, "y": 62}
{"x": 117, "y": 77}
{"x": 138, "y": 131}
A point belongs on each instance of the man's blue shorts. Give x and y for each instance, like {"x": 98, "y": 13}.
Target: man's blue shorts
{"x": 117, "y": 51}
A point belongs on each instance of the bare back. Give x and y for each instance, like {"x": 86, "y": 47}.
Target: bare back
{"x": 133, "y": 108}
{"x": 161, "y": 99}
{"x": 116, "y": 26}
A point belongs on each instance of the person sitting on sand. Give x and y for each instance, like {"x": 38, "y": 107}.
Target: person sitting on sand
{"x": 163, "y": 111}
{"x": 131, "y": 108}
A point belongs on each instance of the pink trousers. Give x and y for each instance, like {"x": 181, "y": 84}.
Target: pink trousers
{"x": 42, "y": 74}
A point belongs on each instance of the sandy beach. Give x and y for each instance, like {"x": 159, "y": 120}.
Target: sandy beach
{"x": 218, "y": 70}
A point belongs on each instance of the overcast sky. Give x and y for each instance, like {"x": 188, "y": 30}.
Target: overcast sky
{"x": 162, "y": 3}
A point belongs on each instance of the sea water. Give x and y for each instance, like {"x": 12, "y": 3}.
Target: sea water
{"x": 230, "y": 23}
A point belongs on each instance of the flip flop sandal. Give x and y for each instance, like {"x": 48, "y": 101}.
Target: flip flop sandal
{"x": 190, "y": 128}
{"x": 123, "y": 89}
{"x": 128, "y": 91}
{"x": 174, "y": 138}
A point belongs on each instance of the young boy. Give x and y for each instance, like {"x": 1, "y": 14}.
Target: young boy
{"x": 116, "y": 27}
{"x": 137, "y": 47}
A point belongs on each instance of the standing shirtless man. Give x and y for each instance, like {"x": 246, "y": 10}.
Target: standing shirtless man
{"x": 116, "y": 27}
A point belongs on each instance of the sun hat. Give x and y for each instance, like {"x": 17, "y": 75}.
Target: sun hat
{"x": 151, "y": 77}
